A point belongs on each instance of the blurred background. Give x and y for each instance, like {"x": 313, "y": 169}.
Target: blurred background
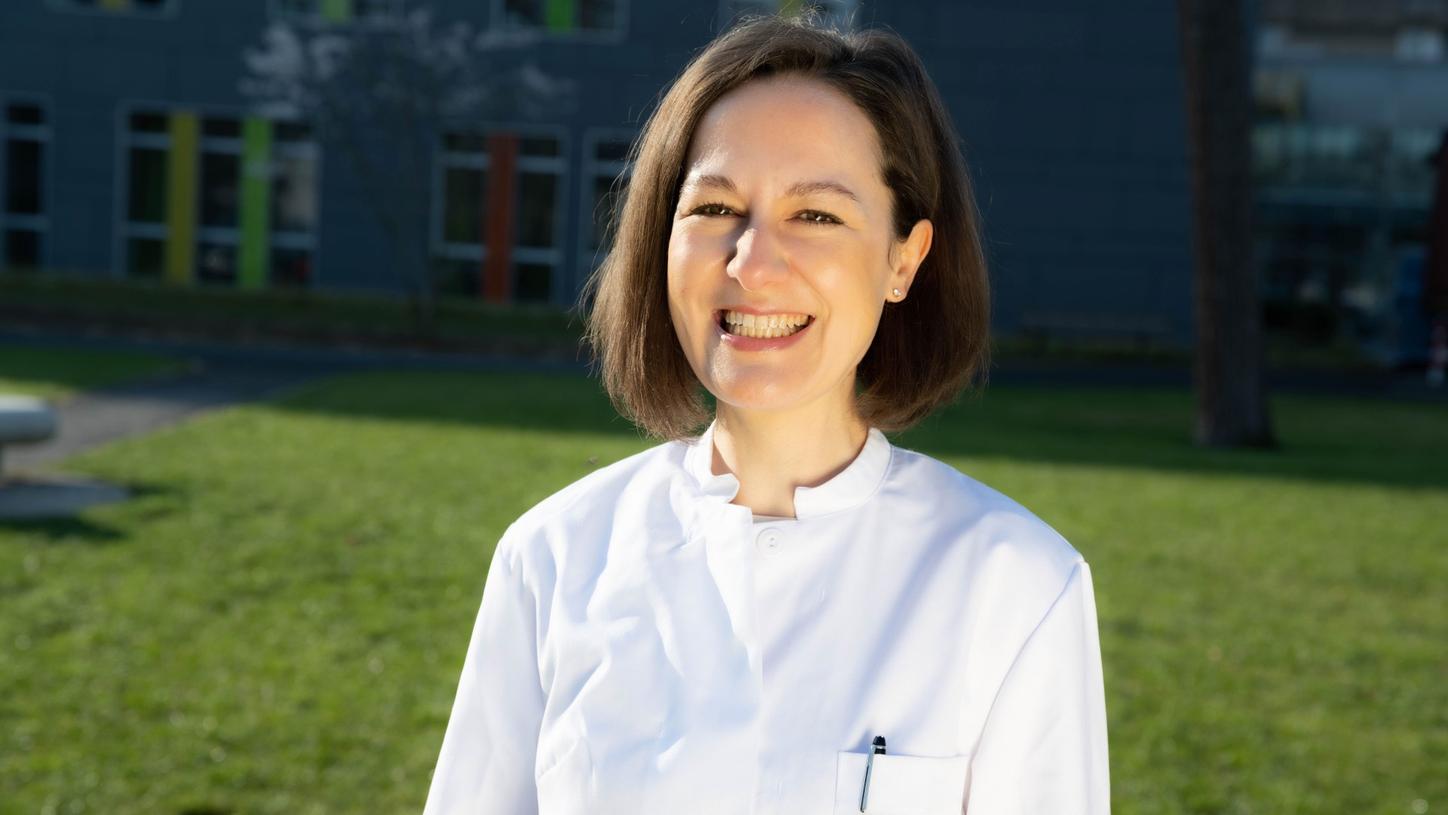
{"x": 289, "y": 333}
{"x": 153, "y": 143}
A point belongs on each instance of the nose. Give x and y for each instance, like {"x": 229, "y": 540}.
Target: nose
{"x": 757, "y": 260}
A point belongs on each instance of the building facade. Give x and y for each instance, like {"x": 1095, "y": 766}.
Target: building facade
{"x": 1352, "y": 102}
{"x": 130, "y": 150}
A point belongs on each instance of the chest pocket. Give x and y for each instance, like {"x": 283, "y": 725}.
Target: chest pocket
{"x": 902, "y": 785}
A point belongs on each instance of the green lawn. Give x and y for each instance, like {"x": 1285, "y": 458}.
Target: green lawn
{"x": 57, "y": 374}
{"x": 276, "y": 623}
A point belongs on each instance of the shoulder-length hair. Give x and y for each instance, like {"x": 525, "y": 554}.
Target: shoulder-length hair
{"x": 927, "y": 347}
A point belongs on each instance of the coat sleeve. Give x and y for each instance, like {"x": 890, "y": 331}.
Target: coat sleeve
{"x": 488, "y": 752}
{"x": 1043, "y": 748}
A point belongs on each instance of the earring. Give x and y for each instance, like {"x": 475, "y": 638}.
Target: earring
{"x": 897, "y": 292}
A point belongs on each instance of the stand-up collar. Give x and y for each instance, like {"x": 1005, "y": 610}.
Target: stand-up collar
{"x": 849, "y": 488}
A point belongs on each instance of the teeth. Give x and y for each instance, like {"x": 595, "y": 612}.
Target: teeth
{"x": 764, "y": 325}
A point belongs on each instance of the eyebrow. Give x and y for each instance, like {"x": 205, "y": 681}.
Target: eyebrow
{"x": 798, "y": 189}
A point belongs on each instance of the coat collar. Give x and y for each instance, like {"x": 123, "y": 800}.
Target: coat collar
{"x": 849, "y": 488}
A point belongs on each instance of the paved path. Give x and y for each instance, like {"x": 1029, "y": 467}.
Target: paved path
{"x": 219, "y": 375}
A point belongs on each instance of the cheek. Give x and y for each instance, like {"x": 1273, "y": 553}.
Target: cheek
{"x": 687, "y": 248}
{"x": 850, "y": 284}
{"x": 691, "y": 268}
{"x": 854, "y": 321}
{"x": 678, "y": 277}
{"x": 683, "y": 260}
{"x": 685, "y": 286}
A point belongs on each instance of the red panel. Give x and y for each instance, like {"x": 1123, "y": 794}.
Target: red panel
{"x": 498, "y": 227}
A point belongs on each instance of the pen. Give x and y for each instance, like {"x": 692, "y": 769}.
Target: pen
{"x": 877, "y": 750}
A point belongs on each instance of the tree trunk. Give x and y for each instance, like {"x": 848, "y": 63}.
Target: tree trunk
{"x": 1228, "y": 374}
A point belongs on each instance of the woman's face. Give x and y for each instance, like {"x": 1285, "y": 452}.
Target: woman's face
{"x": 783, "y": 212}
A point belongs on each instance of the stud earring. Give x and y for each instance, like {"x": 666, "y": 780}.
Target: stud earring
{"x": 897, "y": 292}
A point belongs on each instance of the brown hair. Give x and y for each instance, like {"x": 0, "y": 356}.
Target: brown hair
{"x": 927, "y": 347}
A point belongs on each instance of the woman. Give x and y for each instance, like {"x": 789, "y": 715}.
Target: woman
{"x": 788, "y": 614}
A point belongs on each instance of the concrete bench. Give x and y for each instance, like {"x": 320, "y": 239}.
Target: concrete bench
{"x": 24, "y": 419}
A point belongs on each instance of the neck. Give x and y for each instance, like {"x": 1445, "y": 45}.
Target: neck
{"x": 771, "y": 453}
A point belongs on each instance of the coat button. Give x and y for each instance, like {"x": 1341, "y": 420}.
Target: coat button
{"x": 768, "y": 540}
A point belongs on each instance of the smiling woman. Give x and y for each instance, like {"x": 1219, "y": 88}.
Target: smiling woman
{"x": 785, "y": 612}
{"x": 857, "y": 144}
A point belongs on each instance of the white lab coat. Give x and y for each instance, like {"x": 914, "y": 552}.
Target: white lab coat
{"x": 645, "y": 646}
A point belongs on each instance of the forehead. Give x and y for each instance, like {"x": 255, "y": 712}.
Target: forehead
{"x": 795, "y": 125}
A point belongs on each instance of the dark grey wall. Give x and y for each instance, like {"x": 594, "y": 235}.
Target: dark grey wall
{"x": 1070, "y": 114}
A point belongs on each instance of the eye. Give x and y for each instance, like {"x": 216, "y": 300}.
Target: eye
{"x": 699, "y": 210}
{"x": 814, "y": 216}
{"x": 810, "y": 216}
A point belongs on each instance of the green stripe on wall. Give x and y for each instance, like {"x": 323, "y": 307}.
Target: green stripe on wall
{"x": 254, "y": 260}
{"x": 789, "y": 8}
{"x": 559, "y": 15}
{"x": 337, "y": 11}
{"x": 181, "y": 199}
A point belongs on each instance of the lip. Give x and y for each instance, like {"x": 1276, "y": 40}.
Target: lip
{"x": 741, "y": 343}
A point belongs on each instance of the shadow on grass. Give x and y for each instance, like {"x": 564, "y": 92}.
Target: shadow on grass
{"x": 63, "y": 371}
{"x": 83, "y": 529}
{"x": 1343, "y": 440}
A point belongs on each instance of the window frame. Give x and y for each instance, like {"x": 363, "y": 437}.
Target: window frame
{"x": 124, "y": 230}
{"x": 167, "y": 12}
{"x": 443, "y": 159}
{"x": 274, "y": 11}
{"x": 44, "y": 134}
{"x": 498, "y": 18}
{"x": 591, "y": 168}
{"x": 727, "y": 16}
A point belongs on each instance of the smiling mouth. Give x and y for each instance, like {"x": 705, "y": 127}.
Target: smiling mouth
{"x": 761, "y": 326}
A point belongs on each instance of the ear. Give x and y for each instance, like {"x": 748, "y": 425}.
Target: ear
{"x": 906, "y": 257}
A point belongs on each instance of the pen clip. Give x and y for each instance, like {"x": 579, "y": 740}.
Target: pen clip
{"x": 877, "y": 748}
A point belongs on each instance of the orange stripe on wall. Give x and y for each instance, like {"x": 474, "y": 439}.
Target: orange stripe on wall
{"x": 498, "y": 216}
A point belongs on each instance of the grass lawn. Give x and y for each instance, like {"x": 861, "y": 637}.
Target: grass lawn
{"x": 276, "y": 623}
{"x": 57, "y": 374}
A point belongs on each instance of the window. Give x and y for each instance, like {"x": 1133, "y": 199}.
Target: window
{"x": 220, "y": 188}
{"x": 463, "y": 204}
{"x": 1419, "y": 44}
{"x": 605, "y": 17}
{"x": 25, "y": 205}
{"x": 605, "y": 177}
{"x": 837, "y": 13}
{"x": 496, "y": 215}
{"x": 218, "y": 200}
{"x": 1343, "y": 212}
{"x": 294, "y": 187}
{"x": 334, "y": 11}
{"x": 139, "y": 8}
{"x": 148, "y": 185}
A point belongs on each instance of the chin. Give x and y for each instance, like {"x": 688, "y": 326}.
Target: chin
{"x": 758, "y": 393}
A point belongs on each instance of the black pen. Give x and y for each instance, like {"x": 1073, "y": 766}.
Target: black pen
{"x": 877, "y": 750}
